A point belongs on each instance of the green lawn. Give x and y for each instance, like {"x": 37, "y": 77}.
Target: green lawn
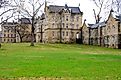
{"x": 60, "y": 60}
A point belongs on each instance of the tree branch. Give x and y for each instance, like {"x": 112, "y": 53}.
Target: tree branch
{"x": 7, "y": 11}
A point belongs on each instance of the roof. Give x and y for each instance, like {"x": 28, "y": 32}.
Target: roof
{"x": 42, "y": 16}
{"x": 73, "y": 10}
{"x": 90, "y": 25}
{"x": 55, "y": 8}
{"x": 25, "y": 20}
{"x": 101, "y": 24}
{"x": 119, "y": 17}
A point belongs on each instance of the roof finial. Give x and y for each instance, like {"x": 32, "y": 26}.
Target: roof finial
{"x": 79, "y": 5}
{"x": 66, "y": 6}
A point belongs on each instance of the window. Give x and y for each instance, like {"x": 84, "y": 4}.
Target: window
{"x": 8, "y": 40}
{"x": 66, "y": 25}
{"x": 53, "y": 33}
{"x": 4, "y": 30}
{"x": 4, "y": 35}
{"x": 53, "y": 17}
{"x": 63, "y": 33}
{"x": 113, "y": 26}
{"x": 63, "y": 18}
{"x": 8, "y": 35}
{"x": 11, "y": 35}
{"x": 77, "y": 19}
{"x": 72, "y": 18}
{"x": 66, "y": 33}
{"x": 8, "y": 31}
{"x": 53, "y": 25}
{"x": 63, "y": 25}
{"x": 66, "y": 18}
{"x": 77, "y": 26}
{"x": 72, "y": 26}
{"x": 72, "y": 33}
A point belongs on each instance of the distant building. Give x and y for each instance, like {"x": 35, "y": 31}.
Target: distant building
{"x": 16, "y": 32}
{"x": 61, "y": 24}
{"x": 8, "y": 32}
{"x": 23, "y": 30}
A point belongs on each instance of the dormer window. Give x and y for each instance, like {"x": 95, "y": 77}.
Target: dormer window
{"x": 77, "y": 19}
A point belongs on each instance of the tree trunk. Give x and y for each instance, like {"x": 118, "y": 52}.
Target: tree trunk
{"x": 60, "y": 35}
{"x": 41, "y": 34}
{"x": 20, "y": 39}
{"x": 32, "y": 39}
{"x": 32, "y": 33}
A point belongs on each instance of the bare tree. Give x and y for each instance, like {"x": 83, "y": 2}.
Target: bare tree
{"x": 30, "y": 9}
{"x": 3, "y": 3}
{"x": 27, "y": 9}
{"x": 101, "y": 5}
{"x": 116, "y": 6}
{"x": 105, "y": 6}
{"x": 22, "y": 30}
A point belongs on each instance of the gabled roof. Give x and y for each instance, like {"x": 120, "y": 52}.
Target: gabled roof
{"x": 55, "y": 8}
{"x": 25, "y": 21}
{"x": 117, "y": 17}
{"x": 42, "y": 16}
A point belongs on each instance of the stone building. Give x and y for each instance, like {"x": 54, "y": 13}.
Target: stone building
{"x": 13, "y": 32}
{"x": 85, "y": 33}
{"x": 113, "y": 31}
{"x": 8, "y": 32}
{"x": 61, "y": 23}
{"x": 40, "y": 28}
{"x": 107, "y": 33}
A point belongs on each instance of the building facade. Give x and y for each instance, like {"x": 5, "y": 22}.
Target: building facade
{"x": 16, "y": 32}
{"x": 107, "y": 34}
{"x": 8, "y": 32}
{"x": 61, "y": 24}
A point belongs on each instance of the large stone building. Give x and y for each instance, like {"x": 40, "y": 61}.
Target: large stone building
{"x": 61, "y": 24}
{"x": 107, "y": 33}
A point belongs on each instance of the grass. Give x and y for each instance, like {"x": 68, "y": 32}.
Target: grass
{"x": 60, "y": 60}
